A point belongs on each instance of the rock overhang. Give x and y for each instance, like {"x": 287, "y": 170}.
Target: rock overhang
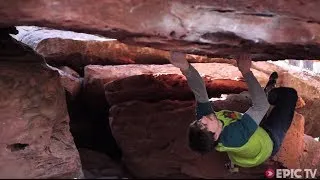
{"x": 269, "y": 30}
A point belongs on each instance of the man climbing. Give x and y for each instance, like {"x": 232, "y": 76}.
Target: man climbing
{"x": 247, "y": 141}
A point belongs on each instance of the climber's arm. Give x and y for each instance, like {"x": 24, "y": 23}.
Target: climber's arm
{"x": 195, "y": 83}
{"x": 238, "y": 133}
{"x": 198, "y": 87}
{"x": 260, "y": 104}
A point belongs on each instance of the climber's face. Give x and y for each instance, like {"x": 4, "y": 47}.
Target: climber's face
{"x": 213, "y": 125}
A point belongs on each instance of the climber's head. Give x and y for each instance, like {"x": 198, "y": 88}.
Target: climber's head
{"x": 204, "y": 133}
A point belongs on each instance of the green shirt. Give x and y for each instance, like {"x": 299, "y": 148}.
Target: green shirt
{"x": 246, "y": 143}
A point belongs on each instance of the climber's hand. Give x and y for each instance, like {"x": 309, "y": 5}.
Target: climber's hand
{"x": 244, "y": 63}
{"x": 179, "y": 60}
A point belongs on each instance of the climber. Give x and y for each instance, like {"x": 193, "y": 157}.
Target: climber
{"x": 247, "y": 141}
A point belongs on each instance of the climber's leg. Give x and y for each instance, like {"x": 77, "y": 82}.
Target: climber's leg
{"x": 280, "y": 118}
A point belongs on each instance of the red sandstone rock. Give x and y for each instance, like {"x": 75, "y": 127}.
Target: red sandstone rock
{"x": 160, "y": 87}
{"x": 35, "y": 139}
{"x": 310, "y": 158}
{"x": 96, "y": 76}
{"x": 215, "y": 70}
{"x": 234, "y": 102}
{"x": 98, "y": 165}
{"x": 78, "y": 50}
{"x": 300, "y": 103}
{"x": 70, "y": 81}
{"x": 267, "y": 29}
{"x": 70, "y": 71}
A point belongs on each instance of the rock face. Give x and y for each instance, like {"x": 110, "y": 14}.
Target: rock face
{"x": 158, "y": 87}
{"x": 65, "y": 48}
{"x": 267, "y": 29}
{"x": 107, "y": 74}
{"x": 311, "y": 155}
{"x": 70, "y": 80}
{"x": 35, "y": 138}
{"x": 97, "y": 165}
{"x": 97, "y": 76}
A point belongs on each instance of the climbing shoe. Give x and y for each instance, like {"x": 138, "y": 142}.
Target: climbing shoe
{"x": 272, "y": 82}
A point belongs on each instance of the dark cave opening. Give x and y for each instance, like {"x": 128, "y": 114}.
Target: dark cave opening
{"x": 99, "y": 153}
{"x": 90, "y": 128}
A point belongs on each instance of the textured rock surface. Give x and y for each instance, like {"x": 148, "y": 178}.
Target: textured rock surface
{"x": 70, "y": 81}
{"x": 96, "y": 76}
{"x": 311, "y": 155}
{"x": 97, "y": 165}
{"x": 35, "y": 139}
{"x": 171, "y": 86}
{"x": 70, "y": 71}
{"x": 234, "y": 102}
{"x": 77, "y": 50}
{"x": 268, "y": 29}
{"x": 216, "y": 70}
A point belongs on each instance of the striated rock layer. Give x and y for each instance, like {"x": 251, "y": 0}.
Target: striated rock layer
{"x": 171, "y": 86}
{"x": 76, "y": 50}
{"x": 96, "y": 76}
{"x": 267, "y": 29}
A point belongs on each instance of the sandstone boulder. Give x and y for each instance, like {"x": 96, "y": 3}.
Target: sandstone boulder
{"x": 35, "y": 138}
{"x": 171, "y": 86}
{"x": 268, "y": 30}
{"x": 61, "y": 48}
{"x": 70, "y": 80}
{"x": 97, "y": 76}
{"x": 310, "y": 158}
{"x": 107, "y": 74}
{"x": 70, "y": 71}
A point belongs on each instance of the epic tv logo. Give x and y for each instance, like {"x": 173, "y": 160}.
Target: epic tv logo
{"x": 291, "y": 173}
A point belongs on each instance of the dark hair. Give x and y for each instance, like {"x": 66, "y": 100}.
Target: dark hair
{"x": 200, "y": 139}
